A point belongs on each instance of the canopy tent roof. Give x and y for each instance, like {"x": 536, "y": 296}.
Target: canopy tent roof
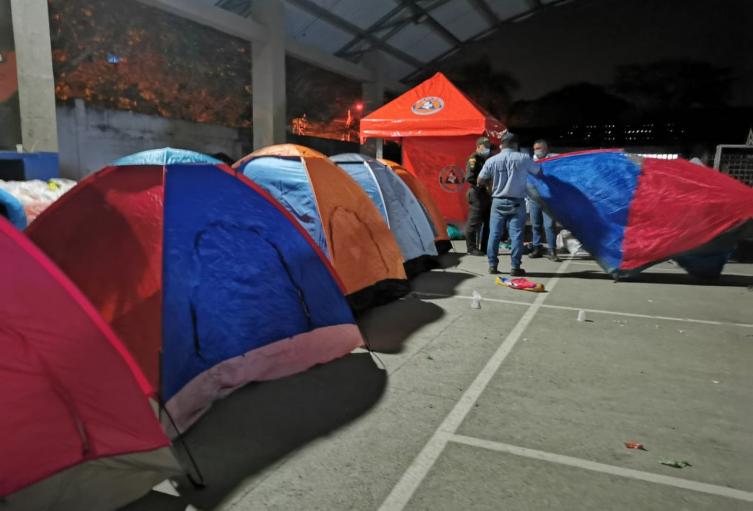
{"x": 412, "y": 36}
{"x": 433, "y": 108}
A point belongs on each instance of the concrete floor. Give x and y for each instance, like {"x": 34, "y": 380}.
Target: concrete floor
{"x": 515, "y": 406}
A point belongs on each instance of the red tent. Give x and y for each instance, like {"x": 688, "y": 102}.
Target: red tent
{"x": 438, "y": 125}
{"x": 77, "y": 431}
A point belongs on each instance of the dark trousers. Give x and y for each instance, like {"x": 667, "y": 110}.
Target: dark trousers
{"x": 479, "y": 211}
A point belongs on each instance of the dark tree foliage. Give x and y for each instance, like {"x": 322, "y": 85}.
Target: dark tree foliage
{"x": 673, "y": 84}
{"x": 166, "y": 65}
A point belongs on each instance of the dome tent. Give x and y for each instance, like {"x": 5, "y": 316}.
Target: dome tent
{"x": 338, "y": 215}
{"x": 78, "y": 431}
{"x": 616, "y": 205}
{"x": 399, "y": 207}
{"x": 441, "y": 238}
{"x": 207, "y": 279}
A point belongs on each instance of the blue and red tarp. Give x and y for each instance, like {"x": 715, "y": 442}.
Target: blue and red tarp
{"x": 632, "y": 212}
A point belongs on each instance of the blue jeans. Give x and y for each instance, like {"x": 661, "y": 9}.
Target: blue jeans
{"x": 505, "y": 214}
{"x": 539, "y": 217}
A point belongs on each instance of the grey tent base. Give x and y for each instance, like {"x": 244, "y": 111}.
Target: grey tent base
{"x": 100, "y": 485}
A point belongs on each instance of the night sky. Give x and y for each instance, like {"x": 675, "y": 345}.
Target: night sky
{"x": 586, "y": 39}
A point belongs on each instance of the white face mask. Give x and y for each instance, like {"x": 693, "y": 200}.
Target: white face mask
{"x": 539, "y": 154}
{"x": 485, "y": 151}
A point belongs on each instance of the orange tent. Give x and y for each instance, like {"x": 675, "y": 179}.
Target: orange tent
{"x": 441, "y": 240}
{"x": 337, "y": 214}
{"x": 438, "y": 126}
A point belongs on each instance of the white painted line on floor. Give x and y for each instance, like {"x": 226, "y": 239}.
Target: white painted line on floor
{"x": 167, "y": 488}
{"x": 593, "y": 466}
{"x": 597, "y": 311}
{"x": 649, "y": 316}
{"x": 422, "y": 464}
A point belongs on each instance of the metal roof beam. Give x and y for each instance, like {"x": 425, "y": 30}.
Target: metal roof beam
{"x": 512, "y": 19}
{"x": 485, "y": 11}
{"x": 440, "y": 29}
{"x": 378, "y": 25}
{"x": 347, "y": 26}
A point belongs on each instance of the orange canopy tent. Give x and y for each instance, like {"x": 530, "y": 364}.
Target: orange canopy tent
{"x": 438, "y": 126}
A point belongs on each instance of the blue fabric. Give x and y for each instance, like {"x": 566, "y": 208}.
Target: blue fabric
{"x": 166, "y": 156}
{"x": 541, "y": 220}
{"x": 408, "y": 222}
{"x": 590, "y": 195}
{"x": 12, "y": 208}
{"x": 288, "y": 182}
{"x": 237, "y": 275}
{"x": 508, "y": 171}
{"x": 405, "y": 216}
{"x": 362, "y": 175}
{"x": 505, "y": 214}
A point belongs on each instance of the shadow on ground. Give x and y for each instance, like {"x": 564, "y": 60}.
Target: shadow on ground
{"x": 387, "y": 327}
{"x": 449, "y": 260}
{"x": 258, "y": 425}
{"x": 440, "y": 283}
{"x": 652, "y": 278}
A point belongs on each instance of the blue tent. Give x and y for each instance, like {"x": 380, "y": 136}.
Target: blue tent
{"x": 401, "y": 210}
{"x": 11, "y": 208}
{"x": 207, "y": 279}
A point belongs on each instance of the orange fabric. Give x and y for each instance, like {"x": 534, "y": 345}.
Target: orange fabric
{"x": 123, "y": 246}
{"x": 423, "y": 195}
{"x": 362, "y": 248}
{"x": 433, "y": 160}
{"x": 282, "y": 150}
{"x": 433, "y": 108}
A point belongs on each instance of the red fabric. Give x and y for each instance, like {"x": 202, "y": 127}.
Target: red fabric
{"x": 119, "y": 268}
{"x": 678, "y": 206}
{"x": 431, "y": 159}
{"x": 457, "y": 116}
{"x": 70, "y": 393}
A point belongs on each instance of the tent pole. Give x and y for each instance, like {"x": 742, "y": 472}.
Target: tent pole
{"x": 380, "y": 148}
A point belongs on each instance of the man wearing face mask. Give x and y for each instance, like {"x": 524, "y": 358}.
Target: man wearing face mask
{"x": 478, "y": 199}
{"x": 539, "y": 217}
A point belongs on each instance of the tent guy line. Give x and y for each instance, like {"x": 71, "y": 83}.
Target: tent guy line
{"x": 409, "y": 482}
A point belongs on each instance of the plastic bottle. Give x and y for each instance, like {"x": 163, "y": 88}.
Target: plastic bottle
{"x": 475, "y": 300}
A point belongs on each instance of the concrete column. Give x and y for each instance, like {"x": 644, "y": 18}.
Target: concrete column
{"x": 372, "y": 93}
{"x": 36, "y": 83}
{"x": 268, "y": 75}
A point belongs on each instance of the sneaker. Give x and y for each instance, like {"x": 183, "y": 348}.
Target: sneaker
{"x": 517, "y": 272}
{"x": 476, "y": 252}
{"x": 553, "y": 257}
{"x": 493, "y": 270}
{"x": 536, "y": 253}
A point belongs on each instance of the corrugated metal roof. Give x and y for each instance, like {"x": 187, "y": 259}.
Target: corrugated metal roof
{"x": 412, "y": 35}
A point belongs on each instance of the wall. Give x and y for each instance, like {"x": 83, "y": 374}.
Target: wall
{"x": 90, "y": 138}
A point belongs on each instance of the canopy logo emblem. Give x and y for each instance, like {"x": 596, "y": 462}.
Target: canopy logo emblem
{"x": 428, "y": 105}
{"x": 451, "y": 178}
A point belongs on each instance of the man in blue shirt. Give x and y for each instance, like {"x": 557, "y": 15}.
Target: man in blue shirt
{"x": 508, "y": 173}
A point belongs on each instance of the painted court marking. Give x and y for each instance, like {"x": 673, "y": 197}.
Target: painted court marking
{"x": 422, "y": 464}
{"x": 602, "y": 468}
{"x": 595, "y": 311}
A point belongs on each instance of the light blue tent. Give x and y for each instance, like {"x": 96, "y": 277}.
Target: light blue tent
{"x": 399, "y": 207}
